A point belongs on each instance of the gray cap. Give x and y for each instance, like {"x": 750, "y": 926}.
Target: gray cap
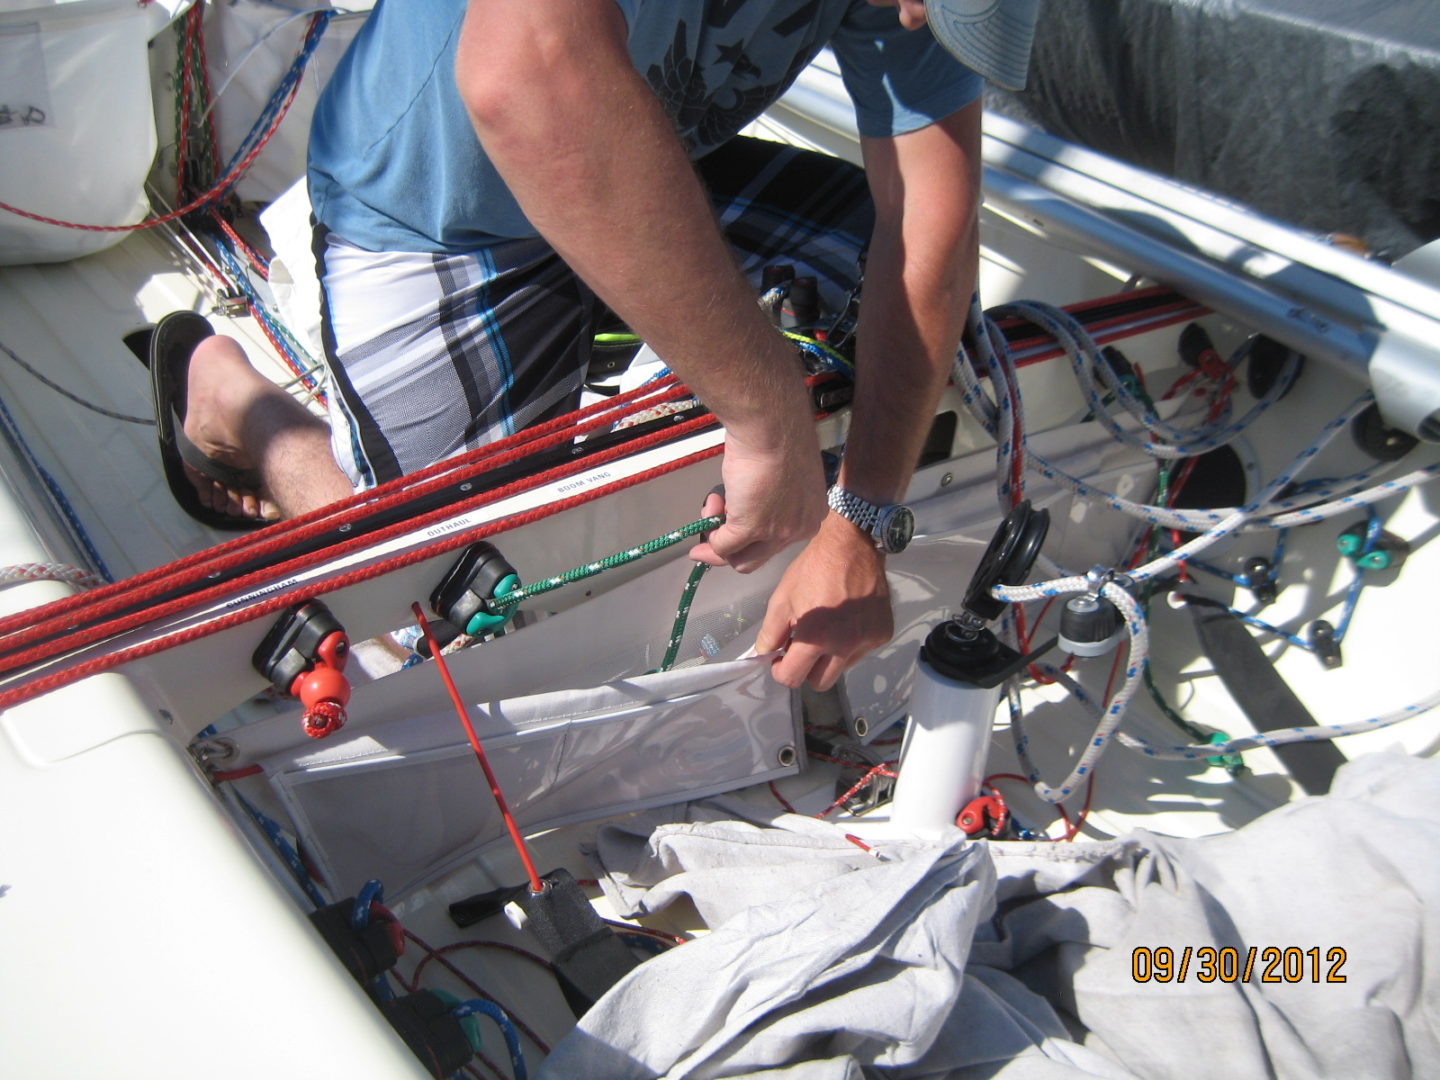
{"x": 990, "y": 37}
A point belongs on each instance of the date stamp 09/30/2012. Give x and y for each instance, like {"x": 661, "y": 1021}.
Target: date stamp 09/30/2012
{"x": 1209, "y": 964}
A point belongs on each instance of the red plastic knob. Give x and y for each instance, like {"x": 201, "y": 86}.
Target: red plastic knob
{"x": 323, "y": 691}
{"x": 323, "y": 684}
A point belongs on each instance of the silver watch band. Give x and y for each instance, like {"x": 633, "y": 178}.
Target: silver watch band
{"x": 851, "y": 507}
{"x": 889, "y": 527}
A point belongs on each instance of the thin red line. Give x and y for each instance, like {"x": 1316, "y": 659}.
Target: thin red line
{"x": 781, "y": 799}
{"x": 1127, "y": 326}
{"x": 438, "y": 955}
{"x": 536, "y": 886}
{"x": 236, "y": 774}
{"x": 1074, "y": 830}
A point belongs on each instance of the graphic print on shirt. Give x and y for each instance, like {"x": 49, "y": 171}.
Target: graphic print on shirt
{"x": 706, "y": 115}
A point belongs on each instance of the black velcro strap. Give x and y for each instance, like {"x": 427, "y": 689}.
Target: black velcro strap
{"x": 588, "y": 957}
{"x": 1264, "y": 697}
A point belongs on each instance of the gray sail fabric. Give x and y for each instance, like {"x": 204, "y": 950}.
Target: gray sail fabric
{"x": 1016, "y": 960}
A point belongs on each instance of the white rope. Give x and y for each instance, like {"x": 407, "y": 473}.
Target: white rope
{"x": 1310, "y": 733}
{"x": 1109, "y": 719}
{"x": 1002, "y": 418}
{"x": 73, "y": 575}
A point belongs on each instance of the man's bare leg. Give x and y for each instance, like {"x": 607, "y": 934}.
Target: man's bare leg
{"x": 237, "y": 416}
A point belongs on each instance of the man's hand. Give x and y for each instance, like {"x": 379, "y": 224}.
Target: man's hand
{"x": 830, "y": 609}
{"x": 772, "y": 499}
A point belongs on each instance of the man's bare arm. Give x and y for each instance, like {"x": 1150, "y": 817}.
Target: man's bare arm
{"x": 832, "y": 607}
{"x": 585, "y": 147}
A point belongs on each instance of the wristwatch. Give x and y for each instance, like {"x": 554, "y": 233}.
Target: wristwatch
{"x": 889, "y": 526}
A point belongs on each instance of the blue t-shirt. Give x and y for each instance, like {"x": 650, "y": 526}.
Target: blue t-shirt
{"x": 395, "y": 164}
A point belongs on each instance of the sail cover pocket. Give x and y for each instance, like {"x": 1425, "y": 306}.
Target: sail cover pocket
{"x": 407, "y": 800}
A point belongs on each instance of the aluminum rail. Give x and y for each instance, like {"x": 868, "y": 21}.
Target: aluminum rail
{"x": 1368, "y": 320}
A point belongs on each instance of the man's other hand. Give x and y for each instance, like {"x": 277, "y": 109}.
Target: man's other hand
{"x": 830, "y": 609}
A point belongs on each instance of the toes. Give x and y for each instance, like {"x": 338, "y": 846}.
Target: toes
{"x": 224, "y": 500}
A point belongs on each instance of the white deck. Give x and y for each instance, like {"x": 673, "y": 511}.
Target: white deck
{"x": 126, "y": 880}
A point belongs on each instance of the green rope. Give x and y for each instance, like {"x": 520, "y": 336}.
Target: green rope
{"x": 511, "y": 600}
{"x": 682, "y": 615}
{"x": 197, "y": 172}
{"x": 616, "y": 339}
{"x": 500, "y": 607}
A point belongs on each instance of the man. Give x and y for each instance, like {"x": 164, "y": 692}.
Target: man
{"x": 482, "y": 173}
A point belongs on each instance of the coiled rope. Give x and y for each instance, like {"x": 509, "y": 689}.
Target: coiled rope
{"x": 1001, "y": 417}
{"x": 240, "y": 163}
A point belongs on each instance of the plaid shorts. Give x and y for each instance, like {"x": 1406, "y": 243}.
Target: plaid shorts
{"x": 431, "y": 355}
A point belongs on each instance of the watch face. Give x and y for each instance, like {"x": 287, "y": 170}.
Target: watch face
{"x": 896, "y": 529}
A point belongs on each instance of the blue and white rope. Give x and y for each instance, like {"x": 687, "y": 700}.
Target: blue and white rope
{"x": 320, "y": 21}
{"x": 1303, "y": 505}
{"x": 1242, "y": 516}
{"x": 1003, "y": 418}
{"x": 996, "y": 416}
{"x": 1196, "y": 520}
{"x": 1218, "y": 524}
{"x": 1316, "y": 733}
{"x": 1086, "y": 359}
{"x": 1109, "y": 718}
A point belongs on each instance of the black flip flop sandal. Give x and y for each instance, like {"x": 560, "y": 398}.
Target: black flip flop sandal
{"x": 173, "y": 340}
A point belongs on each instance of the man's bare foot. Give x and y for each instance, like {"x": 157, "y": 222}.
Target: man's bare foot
{"x": 222, "y": 388}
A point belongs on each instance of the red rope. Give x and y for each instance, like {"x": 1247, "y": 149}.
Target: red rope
{"x": 1071, "y": 830}
{"x": 883, "y": 769}
{"x": 236, "y": 774}
{"x": 536, "y": 885}
{"x": 208, "y": 119}
{"x": 27, "y": 626}
{"x": 257, "y": 261}
{"x": 1103, "y": 331}
{"x": 221, "y": 186}
{"x": 182, "y": 134}
{"x": 781, "y": 799}
{"x": 1017, "y": 443}
{"x": 25, "y": 691}
{"x": 201, "y": 596}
